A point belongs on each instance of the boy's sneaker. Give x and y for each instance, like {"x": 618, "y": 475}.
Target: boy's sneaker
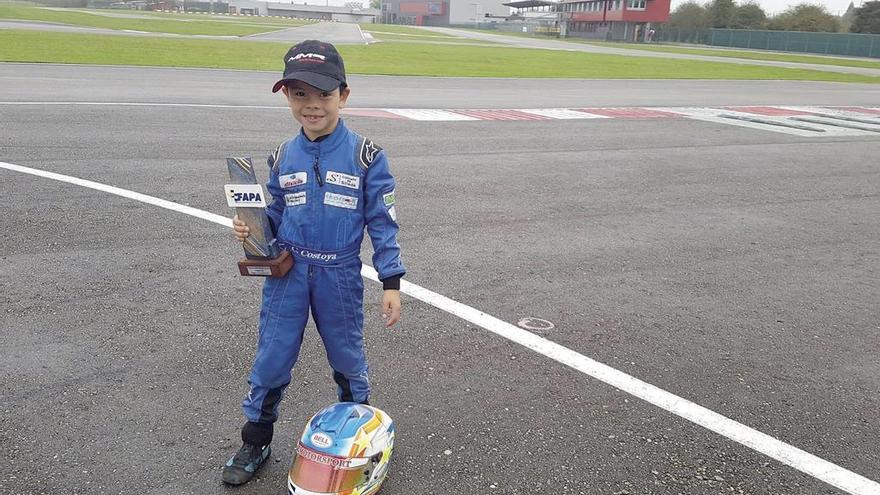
{"x": 242, "y": 466}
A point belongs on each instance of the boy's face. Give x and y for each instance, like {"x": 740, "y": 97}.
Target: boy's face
{"x": 316, "y": 110}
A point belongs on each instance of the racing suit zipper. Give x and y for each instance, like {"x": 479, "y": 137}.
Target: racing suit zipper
{"x": 318, "y": 172}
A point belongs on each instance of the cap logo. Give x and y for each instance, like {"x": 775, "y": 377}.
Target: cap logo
{"x": 308, "y": 57}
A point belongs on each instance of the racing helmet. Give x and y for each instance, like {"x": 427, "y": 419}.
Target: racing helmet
{"x": 344, "y": 450}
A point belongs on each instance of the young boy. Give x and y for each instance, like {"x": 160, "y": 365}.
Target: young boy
{"x": 327, "y": 184}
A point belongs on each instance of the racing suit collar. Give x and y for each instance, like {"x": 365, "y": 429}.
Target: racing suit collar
{"x": 326, "y": 142}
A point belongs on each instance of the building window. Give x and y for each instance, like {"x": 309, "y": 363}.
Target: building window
{"x": 636, "y": 4}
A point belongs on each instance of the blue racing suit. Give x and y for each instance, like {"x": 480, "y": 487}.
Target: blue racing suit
{"x": 323, "y": 195}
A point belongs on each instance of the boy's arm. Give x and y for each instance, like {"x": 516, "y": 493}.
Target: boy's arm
{"x": 275, "y": 210}
{"x": 381, "y": 220}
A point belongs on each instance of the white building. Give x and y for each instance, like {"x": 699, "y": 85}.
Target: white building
{"x": 441, "y": 12}
{"x": 303, "y": 11}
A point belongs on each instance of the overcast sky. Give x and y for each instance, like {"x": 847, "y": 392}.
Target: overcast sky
{"x": 835, "y": 7}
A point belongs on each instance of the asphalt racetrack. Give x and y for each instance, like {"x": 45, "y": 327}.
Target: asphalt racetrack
{"x": 734, "y": 267}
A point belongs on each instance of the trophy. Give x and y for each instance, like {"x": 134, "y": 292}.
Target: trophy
{"x": 263, "y": 258}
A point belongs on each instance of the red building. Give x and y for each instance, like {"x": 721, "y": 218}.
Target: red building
{"x": 629, "y": 20}
{"x": 422, "y": 13}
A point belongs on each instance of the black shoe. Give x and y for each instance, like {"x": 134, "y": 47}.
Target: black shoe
{"x": 242, "y": 466}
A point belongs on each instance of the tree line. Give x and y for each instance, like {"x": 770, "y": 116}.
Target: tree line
{"x": 750, "y": 15}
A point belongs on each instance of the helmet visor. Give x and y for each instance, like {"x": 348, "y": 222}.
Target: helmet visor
{"x": 322, "y": 473}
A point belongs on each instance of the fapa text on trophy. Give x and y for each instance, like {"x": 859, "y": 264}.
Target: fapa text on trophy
{"x": 263, "y": 258}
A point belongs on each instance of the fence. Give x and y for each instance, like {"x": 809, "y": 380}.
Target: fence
{"x": 855, "y": 45}
{"x": 678, "y": 35}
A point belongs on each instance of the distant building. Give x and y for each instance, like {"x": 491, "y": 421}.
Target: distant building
{"x": 625, "y": 20}
{"x": 532, "y": 16}
{"x": 621, "y": 20}
{"x": 303, "y": 11}
{"x": 441, "y": 12}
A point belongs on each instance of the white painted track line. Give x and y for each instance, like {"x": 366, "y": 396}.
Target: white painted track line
{"x": 170, "y": 205}
{"x": 801, "y": 460}
{"x": 138, "y": 104}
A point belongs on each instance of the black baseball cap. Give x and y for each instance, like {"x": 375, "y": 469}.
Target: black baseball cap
{"x": 315, "y": 63}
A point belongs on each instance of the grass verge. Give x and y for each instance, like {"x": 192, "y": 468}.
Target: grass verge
{"x": 256, "y": 20}
{"x": 382, "y": 58}
{"x": 701, "y": 50}
{"x": 396, "y": 29}
{"x": 198, "y": 25}
{"x": 412, "y": 38}
{"x": 746, "y": 54}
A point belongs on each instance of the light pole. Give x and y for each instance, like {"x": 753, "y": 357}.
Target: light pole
{"x": 476, "y": 19}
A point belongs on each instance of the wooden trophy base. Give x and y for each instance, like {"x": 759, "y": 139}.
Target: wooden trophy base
{"x": 266, "y": 268}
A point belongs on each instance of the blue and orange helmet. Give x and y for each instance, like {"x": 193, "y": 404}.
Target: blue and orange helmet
{"x": 344, "y": 450}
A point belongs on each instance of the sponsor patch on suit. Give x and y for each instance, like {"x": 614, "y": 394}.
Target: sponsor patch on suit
{"x": 340, "y": 200}
{"x": 344, "y": 180}
{"x": 388, "y": 199}
{"x": 292, "y": 180}
{"x": 295, "y": 199}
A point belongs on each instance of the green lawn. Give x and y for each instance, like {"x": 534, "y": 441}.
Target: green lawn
{"x": 392, "y": 32}
{"x": 276, "y": 22}
{"x": 396, "y": 29}
{"x": 751, "y": 55}
{"x": 404, "y": 38}
{"x": 168, "y": 23}
{"x": 700, "y": 50}
{"x": 382, "y": 58}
